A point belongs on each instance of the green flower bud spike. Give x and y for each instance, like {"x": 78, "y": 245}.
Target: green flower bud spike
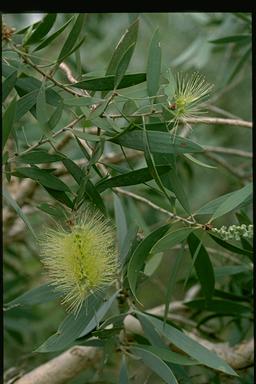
{"x": 190, "y": 90}
{"x": 81, "y": 259}
{"x": 234, "y": 232}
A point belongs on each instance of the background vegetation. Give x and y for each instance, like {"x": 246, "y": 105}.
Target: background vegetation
{"x": 39, "y": 101}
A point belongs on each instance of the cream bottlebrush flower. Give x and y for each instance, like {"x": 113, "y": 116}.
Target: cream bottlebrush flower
{"x": 190, "y": 91}
{"x": 80, "y": 260}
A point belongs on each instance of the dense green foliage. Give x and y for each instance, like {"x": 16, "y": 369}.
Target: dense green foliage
{"x": 94, "y": 114}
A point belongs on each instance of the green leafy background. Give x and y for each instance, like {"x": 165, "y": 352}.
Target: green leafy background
{"x": 218, "y": 45}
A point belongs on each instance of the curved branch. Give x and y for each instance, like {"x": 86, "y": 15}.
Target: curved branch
{"x": 220, "y": 121}
{"x": 64, "y": 367}
{"x": 72, "y": 362}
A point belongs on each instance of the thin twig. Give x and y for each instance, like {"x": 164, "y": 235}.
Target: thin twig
{"x": 219, "y": 121}
{"x": 45, "y": 75}
{"x": 224, "y": 164}
{"x": 43, "y": 141}
{"x": 194, "y": 120}
{"x": 148, "y": 202}
{"x": 228, "y": 151}
{"x": 65, "y": 68}
{"x": 221, "y": 111}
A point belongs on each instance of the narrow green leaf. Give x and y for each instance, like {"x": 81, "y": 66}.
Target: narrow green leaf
{"x": 203, "y": 265}
{"x": 213, "y": 206}
{"x": 74, "y": 170}
{"x": 107, "y": 83}
{"x": 26, "y": 84}
{"x": 52, "y": 37}
{"x": 129, "y": 244}
{"x": 56, "y": 116}
{"x": 233, "y": 201}
{"x": 155, "y": 363}
{"x": 99, "y": 314}
{"x": 8, "y": 120}
{"x": 23, "y": 30}
{"x": 170, "y": 88}
{"x": 232, "y": 297}
{"x": 75, "y": 48}
{"x": 153, "y": 262}
{"x": 159, "y": 142}
{"x": 41, "y": 109}
{"x": 123, "y": 374}
{"x": 39, "y": 156}
{"x": 171, "y": 239}
{"x": 172, "y": 280}
{"x": 196, "y": 161}
{"x": 151, "y": 334}
{"x": 87, "y": 191}
{"x": 42, "y": 28}
{"x": 167, "y": 355}
{"x": 42, "y": 176}
{"x": 72, "y": 326}
{"x": 190, "y": 346}
{"x": 121, "y": 224}
{"x": 240, "y": 64}
{"x": 38, "y": 295}
{"x": 96, "y": 155}
{"x": 8, "y": 85}
{"x": 127, "y": 39}
{"x": 129, "y": 178}
{"x": 157, "y": 341}
{"x": 140, "y": 254}
{"x": 72, "y": 37}
{"x": 123, "y": 64}
{"x": 219, "y": 306}
{"x": 25, "y": 103}
{"x": 152, "y": 166}
{"x": 86, "y": 136}
{"x": 154, "y": 65}
{"x": 240, "y": 39}
{"x": 19, "y": 211}
{"x": 53, "y": 210}
{"x": 172, "y": 181}
{"x": 81, "y": 101}
{"x": 230, "y": 270}
{"x": 231, "y": 247}
{"x": 60, "y": 196}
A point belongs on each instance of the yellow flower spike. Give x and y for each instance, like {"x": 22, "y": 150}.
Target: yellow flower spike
{"x": 80, "y": 260}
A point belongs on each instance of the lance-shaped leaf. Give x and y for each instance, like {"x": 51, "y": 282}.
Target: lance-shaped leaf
{"x": 154, "y": 65}
{"x": 38, "y": 295}
{"x": 140, "y": 254}
{"x": 190, "y": 346}
{"x": 72, "y": 38}
{"x": 52, "y": 37}
{"x": 127, "y": 40}
{"x": 42, "y": 28}
{"x": 155, "y": 363}
{"x": 42, "y": 176}
{"x": 8, "y": 121}
{"x": 129, "y": 178}
{"x": 203, "y": 265}
{"x": 19, "y": 211}
{"x": 159, "y": 142}
{"x": 107, "y": 83}
{"x": 72, "y": 326}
